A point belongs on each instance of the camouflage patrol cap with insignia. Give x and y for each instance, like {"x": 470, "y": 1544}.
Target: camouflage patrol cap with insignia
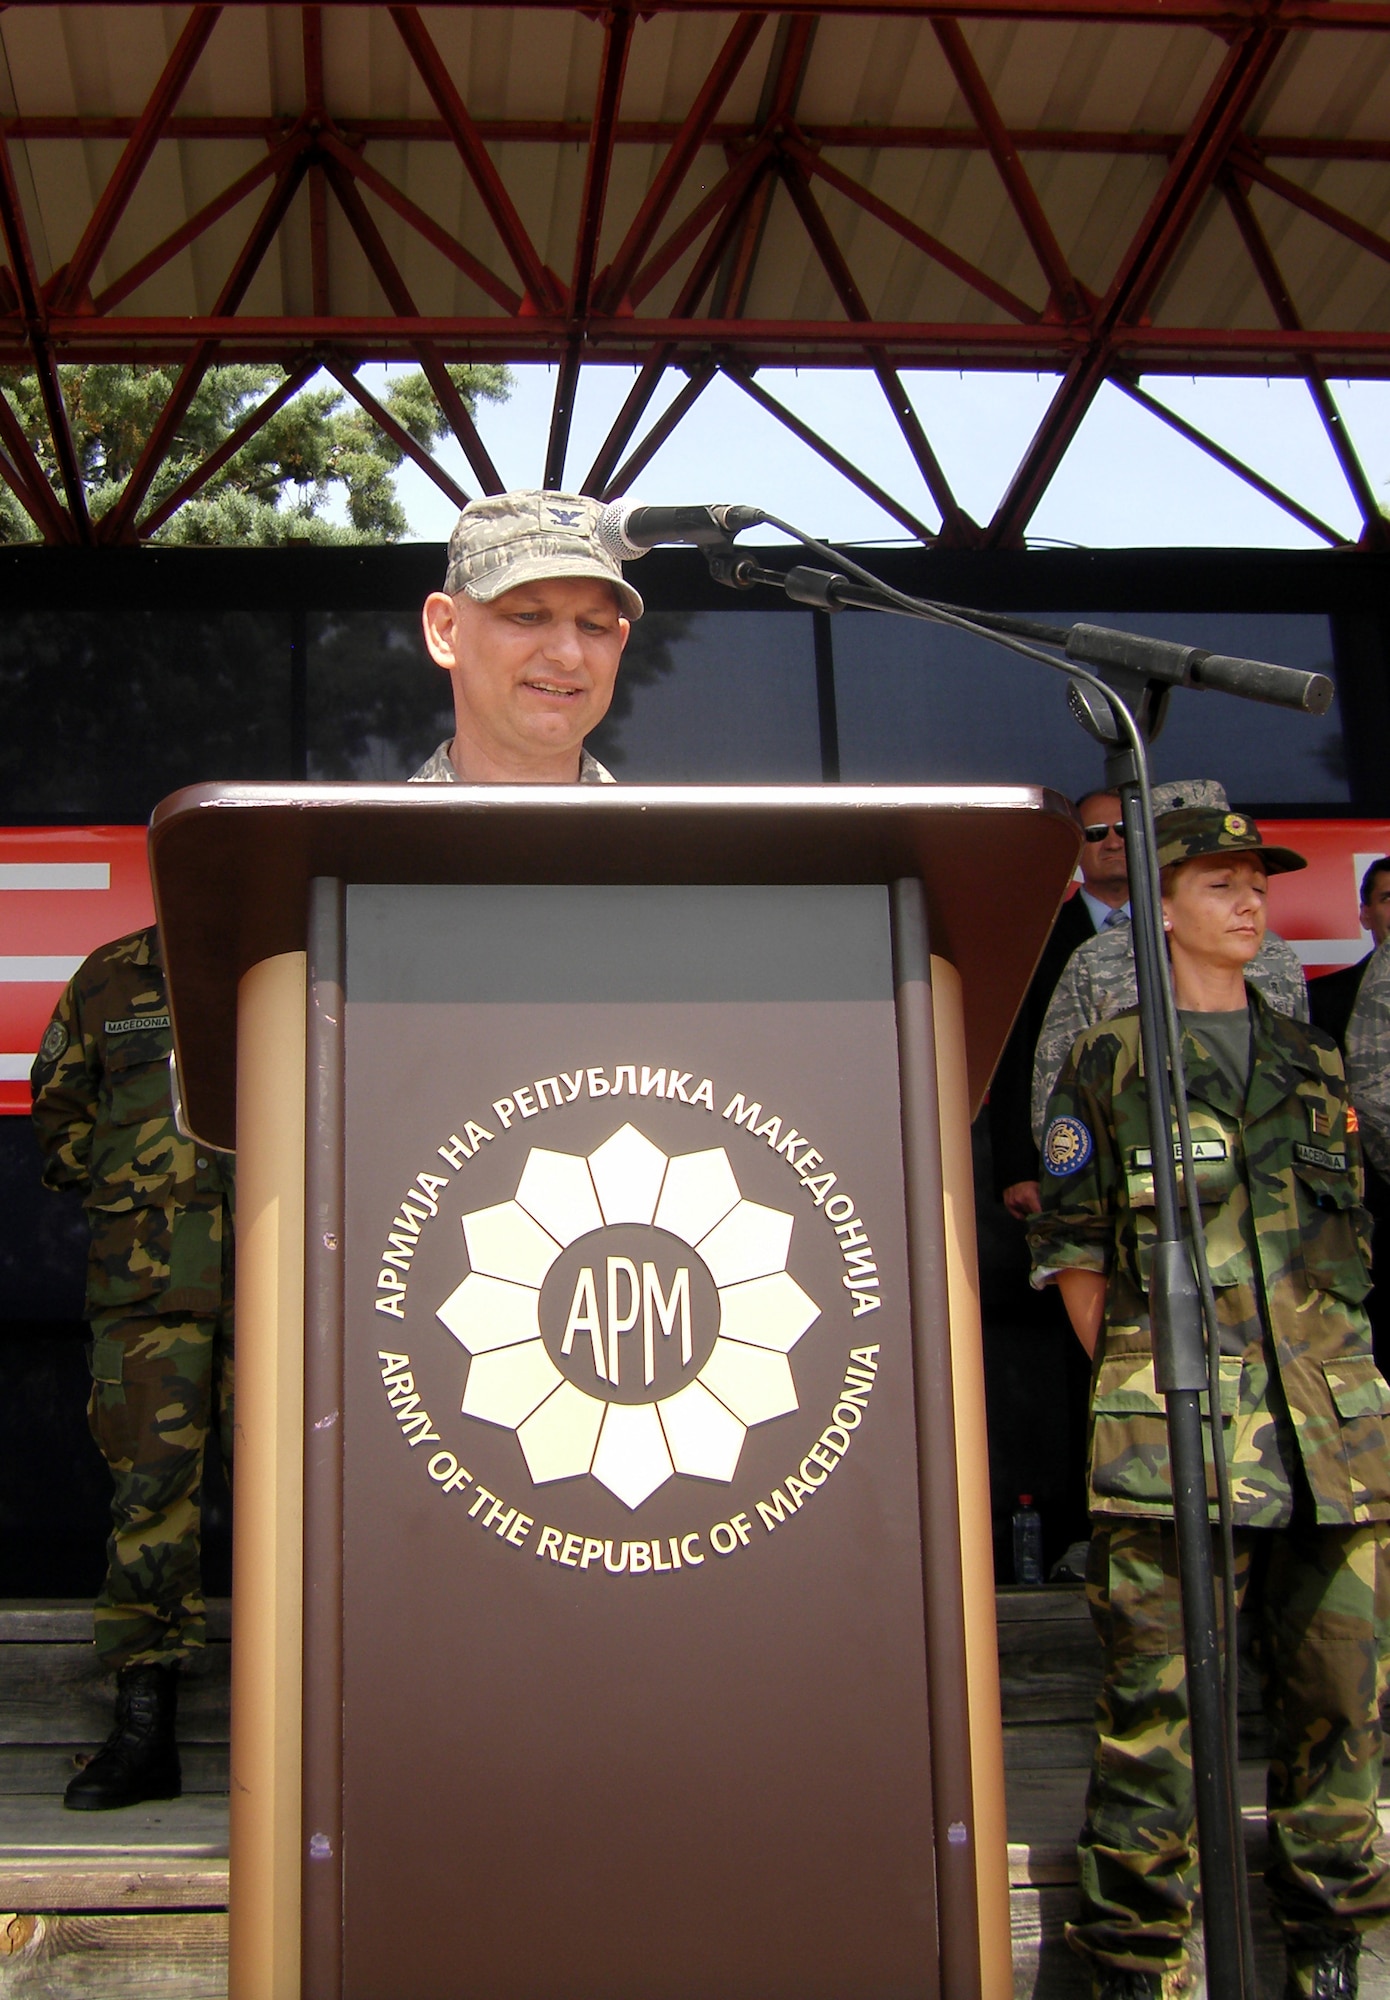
{"x": 508, "y": 539}
{"x": 1194, "y": 830}
{"x": 1175, "y": 792}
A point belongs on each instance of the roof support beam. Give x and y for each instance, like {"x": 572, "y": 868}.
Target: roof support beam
{"x": 861, "y": 136}
{"x": 424, "y": 224}
{"x": 198, "y": 225}
{"x": 1252, "y": 169}
{"x": 1066, "y": 292}
{"x": 228, "y": 449}
{"x": 598, "y": 166}
{"x": 676, "y": 412}
{"x": 561, "y": 417}
{"x": 1170, "y": 215}
{"x": 1376, "y": 530}
{"x": 818, "y": 444}
{"x": 35, "y": 314}
{"x": 38, "y": 499}
{"x": 786, "y": 72}
{"x": 398, "y": 297}
{"x": 670, "y": 175}
{"x": 902, "y": 225}
{"x": 625, "y": 423}
{"x": 539, "y": 283}
{"x": 118, "y": 524}
{"x": 1228, "y": 459}
{"x": 72, "y": 283}
{"x": 726, "y": 194}
{"x": 956, "y": 526}
{"x": 311, "y": 34}
{"x": 398, "y": 434}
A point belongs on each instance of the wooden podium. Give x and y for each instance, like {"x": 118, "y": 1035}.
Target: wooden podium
{"x": 613, "y": 1596}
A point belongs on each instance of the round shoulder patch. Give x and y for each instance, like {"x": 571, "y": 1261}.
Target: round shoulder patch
{"x": 1067, "y": 1146}
{"x": 55, "y": 1040}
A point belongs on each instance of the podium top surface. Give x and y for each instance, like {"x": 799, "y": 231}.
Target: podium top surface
{"x": 232, "y": 865}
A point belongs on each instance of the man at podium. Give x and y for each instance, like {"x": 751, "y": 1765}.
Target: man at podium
{"x": 530, "y": 627}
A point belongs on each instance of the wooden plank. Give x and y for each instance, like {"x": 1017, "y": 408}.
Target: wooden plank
{"x": 119, "y": 1957}
{"x": 57, "y": 1619}
{"x": 42, "y": 1770}
{"x": 57, "y": 1693}
{"x": 114, "y": 1886}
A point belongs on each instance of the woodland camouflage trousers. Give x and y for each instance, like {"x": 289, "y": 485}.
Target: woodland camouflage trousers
{"x": 1321, "y": 1597}
{"x": 158, "y": 1384}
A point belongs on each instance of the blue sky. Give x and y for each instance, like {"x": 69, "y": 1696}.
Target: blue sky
{"x": 1127, "y": 482}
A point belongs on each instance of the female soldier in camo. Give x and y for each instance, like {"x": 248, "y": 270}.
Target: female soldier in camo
{"x": 1278, "y": 1168}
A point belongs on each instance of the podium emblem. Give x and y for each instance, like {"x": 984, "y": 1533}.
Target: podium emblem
{"x": 629, "y": 1314}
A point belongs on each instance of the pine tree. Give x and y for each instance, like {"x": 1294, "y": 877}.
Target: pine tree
{"x": 276, "y": 487}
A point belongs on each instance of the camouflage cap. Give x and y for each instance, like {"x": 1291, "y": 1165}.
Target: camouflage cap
{"x": 1194, "y": 830}
{"x": 510, "y": 538}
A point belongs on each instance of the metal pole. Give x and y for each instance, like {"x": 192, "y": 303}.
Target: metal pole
{"x": 1180, "y": 1373}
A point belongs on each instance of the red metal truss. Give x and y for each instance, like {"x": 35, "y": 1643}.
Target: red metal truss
{"x": 703, "y": 234}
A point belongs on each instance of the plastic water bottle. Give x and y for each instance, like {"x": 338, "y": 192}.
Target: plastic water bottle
{"x": 1028, "y": 1547}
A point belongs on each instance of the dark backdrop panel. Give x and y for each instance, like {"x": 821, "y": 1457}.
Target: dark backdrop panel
{"x": 107, "y": 711}
{"x": 925, "y": 704}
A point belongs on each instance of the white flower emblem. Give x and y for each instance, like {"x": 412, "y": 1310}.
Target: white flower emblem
{"x": 598, "y": 1336}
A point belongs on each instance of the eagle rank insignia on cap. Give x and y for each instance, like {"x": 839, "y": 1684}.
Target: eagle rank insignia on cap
{"x": 1067, "y": 1146}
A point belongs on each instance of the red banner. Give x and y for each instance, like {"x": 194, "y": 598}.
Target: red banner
{"x": 63, "y": 891}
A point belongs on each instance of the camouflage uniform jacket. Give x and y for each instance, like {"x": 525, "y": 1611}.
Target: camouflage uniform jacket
{"x": 159, "y": 1205}
{"x": 1286, "y": 1235}
{"x": 1368, "y": 1058}
{"x": 1099, "y": 982}
{"x": 439, "y": 770}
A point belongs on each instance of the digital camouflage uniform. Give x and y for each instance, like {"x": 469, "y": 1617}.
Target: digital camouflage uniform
{"x": 1100, "y": 982}
{"x": 1304, "y": 1414}
{"x": 1368, "y": 1057}
{"x": 439, "y": 770}
{"x": 159, "y": 1285}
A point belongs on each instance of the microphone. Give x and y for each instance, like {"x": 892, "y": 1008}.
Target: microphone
{"x": 1191, "y": 666}
{"x": 627, "y": 532}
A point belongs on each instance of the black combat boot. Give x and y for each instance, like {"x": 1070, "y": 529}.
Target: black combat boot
{"x": 1324, "y": 1968}
{"x": 139, "y": 1759}
{"x": 1122, "y": 1982}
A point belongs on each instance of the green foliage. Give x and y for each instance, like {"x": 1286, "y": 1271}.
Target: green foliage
{"x": 275, "y": 488}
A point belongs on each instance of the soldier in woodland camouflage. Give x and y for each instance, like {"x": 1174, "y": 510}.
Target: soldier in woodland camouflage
{"x": 1099, "y": 980}
{"x": 159, "y": 1299}
{"x": 1278, "y": 1171}
{"x": 1368, "y": 1058}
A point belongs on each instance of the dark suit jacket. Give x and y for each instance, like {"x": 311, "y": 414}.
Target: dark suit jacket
{"x": 1010, "y": 1094}
{"x": 1332, "y": 997}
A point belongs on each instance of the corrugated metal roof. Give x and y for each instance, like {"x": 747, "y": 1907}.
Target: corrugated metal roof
{"x": 1051, "y": 79}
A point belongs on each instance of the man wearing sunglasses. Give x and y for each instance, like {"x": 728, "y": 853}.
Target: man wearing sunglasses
{"x": 1102, "y": 901}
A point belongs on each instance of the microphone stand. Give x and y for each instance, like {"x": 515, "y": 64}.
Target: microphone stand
{"x": 1123, "y": 706}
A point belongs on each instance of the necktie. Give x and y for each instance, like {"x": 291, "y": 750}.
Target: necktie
{"x": 1114, "y": 920}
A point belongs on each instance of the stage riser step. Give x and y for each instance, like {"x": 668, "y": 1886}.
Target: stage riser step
{"x": 181, "y": 1953}
{"x": 56, "y": 1696}
{"x": 38, "y": 1770}
{"x": 184, "y": 1953}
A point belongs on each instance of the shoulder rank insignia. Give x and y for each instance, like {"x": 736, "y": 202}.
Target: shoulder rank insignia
{"x": 1067, "y": 1146}
{"x": 1319, "y": 1120}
